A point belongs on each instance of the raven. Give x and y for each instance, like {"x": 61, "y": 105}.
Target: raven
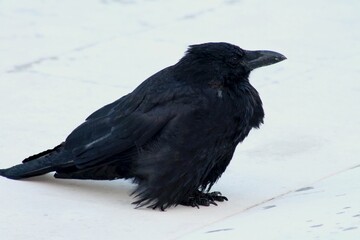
{"x": 174, "y": 135}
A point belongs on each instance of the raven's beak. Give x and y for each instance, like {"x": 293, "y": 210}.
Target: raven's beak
{"x": 256, "y": 59}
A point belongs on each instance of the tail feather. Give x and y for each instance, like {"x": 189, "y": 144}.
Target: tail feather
{"x": 44, "y": 163}
{"x": 27, "y": 170}
{"x": 47, "y": 152}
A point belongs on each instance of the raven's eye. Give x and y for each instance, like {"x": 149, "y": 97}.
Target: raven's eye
{"x": 233, "y": 61}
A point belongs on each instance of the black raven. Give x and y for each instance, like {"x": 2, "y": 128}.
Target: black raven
{"x": 174, "y": 135}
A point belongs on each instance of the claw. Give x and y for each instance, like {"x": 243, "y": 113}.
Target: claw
{"x": 204, "y": 199}
{"x": 213, "y": 202}
{"x": 195, "y": 204}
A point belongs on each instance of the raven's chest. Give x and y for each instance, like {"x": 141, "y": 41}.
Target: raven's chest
{"x": 237, "y": 111}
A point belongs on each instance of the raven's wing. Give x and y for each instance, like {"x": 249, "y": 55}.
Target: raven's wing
{"x": 95, "y": 141}
{"x": 128, "y": 122}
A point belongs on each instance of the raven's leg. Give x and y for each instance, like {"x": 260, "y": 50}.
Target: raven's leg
{"x": 203, "y": 199}
{"x": 169, "y": 177}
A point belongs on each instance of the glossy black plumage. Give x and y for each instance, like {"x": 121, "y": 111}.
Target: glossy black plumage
{"x": 174, "y": 134}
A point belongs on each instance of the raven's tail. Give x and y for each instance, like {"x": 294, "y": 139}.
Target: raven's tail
{"x": 47, "y": 161}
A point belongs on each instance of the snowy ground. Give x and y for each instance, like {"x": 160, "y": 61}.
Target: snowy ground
{"x": 298, "y": 177}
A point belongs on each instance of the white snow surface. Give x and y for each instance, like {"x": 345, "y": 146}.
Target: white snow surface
{"x": 295, "y": 178}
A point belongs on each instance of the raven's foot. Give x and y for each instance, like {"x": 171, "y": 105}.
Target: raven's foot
{"x": 203, "y": 199}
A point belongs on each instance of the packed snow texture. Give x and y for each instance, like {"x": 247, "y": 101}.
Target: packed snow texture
{"x": 295, "y": 178}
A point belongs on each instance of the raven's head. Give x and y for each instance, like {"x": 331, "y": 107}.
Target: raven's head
{"x": 228, "y": 60}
